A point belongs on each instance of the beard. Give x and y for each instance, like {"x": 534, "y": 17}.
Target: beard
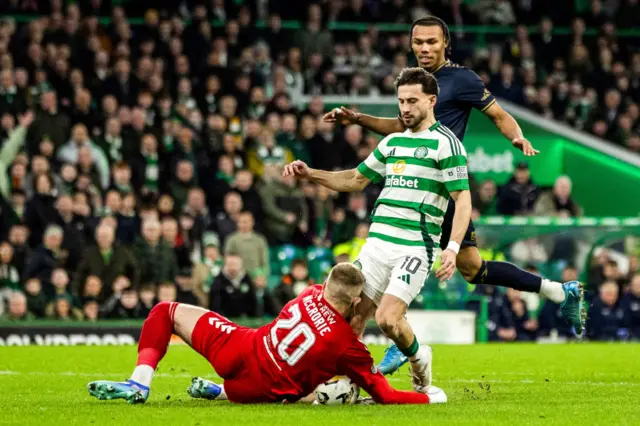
{"x": 413, "y": 122}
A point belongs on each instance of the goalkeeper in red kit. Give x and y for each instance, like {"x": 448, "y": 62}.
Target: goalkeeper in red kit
{"x": 309, "y": 343}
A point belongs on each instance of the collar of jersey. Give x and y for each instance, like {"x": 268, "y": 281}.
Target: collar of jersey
{"x": 447, "y": 62}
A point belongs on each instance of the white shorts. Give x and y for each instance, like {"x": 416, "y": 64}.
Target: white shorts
{"x": 393, "y": 269}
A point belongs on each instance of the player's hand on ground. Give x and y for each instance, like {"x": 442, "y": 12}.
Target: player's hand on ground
{"x": 448, "y": 265}
{"x": 342, "y": 115}
{"x": 298, "y": 169}
{"x": 525, "y": 146}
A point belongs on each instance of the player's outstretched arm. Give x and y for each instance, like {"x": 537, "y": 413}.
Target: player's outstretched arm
{"x": 343, "y": 181}
{"x": 510, "y": 128}
{"x": 357, "y": 364}
{"x": 382, "y": 126}
{"x": 461, "y": 219}
{"x": 376, "y": 385}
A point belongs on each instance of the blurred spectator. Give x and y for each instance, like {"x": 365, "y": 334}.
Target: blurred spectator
{"x": 50, "y": 123}
{"x": 36, "y": 299}
{"x": 605, "y": 269}
{"x": 630, "y": 306}
{"x": 232, "y": 292}
{"x": 148, "y": 169}
{"x": 40, "y": 209}
{"x": 501, "y": 324}
{"x": 183, "y": 182}
{"x": 484, "y": 200}
{"x": 558, "y": 202}
{"x": 172, "y": 238}
{"x": 211, "y": 264}
{"x": 352, "y": 248}
{"x": 605, "y": 316}
{"x": 9, "y": 276}
{"x": 82, "y": 151}
{"x": 73, "y": 227}
{"x": 288, "y": 137}
{"x": 313, "y": 38}
{"x": 267, "y": 305}
{"x": 18, "y": 236}
{"x": 226, "y": 221}
{"x": 59, "y": 288}
{"x": 518, "y": 196}
{"x": 91, "y": 311}
{"x": 9, "y": 149}
{"x": 634, "y": 268}
{"x": 244, "y": 185}
{"x": 294, "y": 283}
{"x": 186, "y": 290}
{"x": 48, "y": 257}
{"x": 167, "y": 292}
{"x": 124, "y": 305}
{"x": 505, "y": 85}
{"x": 495, "y": 12}
{"x": 525, "y": 326}
{"x": 147, "y": 299}
{"x": 249, "y": 245}
{"x": 267, "y": 153}
{"x": 155, "y": 260}
{"x": 107, "y": 260}
{"x": 285, "y": 212}
{"x": 198, "y": 210}
{"x": 91, "y": 290}
{"x": 17, "y": 308}
{"x": 223, "y": 181}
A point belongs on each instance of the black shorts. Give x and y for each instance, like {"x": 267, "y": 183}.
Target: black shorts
{"x": 469, "y": 239}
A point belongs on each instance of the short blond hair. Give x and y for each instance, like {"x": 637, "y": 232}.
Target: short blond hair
{"x": 344, "y": 283}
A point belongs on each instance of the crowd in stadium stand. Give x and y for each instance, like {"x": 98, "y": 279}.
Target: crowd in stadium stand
{"x": 142, "y": 162}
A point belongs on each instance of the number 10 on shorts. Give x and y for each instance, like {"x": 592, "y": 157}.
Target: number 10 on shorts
{"x": 411, "y": 265}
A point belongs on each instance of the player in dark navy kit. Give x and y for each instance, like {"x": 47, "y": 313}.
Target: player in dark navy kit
{"x": 461, "y": 90}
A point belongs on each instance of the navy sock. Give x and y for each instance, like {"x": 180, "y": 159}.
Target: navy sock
{"x": 507, "y": 274}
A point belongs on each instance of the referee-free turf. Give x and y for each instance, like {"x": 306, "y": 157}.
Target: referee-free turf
{"x": 583, "y": 383}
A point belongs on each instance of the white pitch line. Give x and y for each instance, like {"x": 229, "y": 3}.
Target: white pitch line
{"x": 391, "y": 379}
{"x": 527, "y": 382}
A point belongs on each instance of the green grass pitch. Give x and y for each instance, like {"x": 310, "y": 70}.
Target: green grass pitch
{"x": 595, "y": 384}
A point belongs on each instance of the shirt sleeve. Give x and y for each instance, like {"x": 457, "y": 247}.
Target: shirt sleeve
{"x": 473, "y": 91}
{"x": 452, "y": 161}
{"x": 374, "y": 167}
{"x": 357, "y": 364}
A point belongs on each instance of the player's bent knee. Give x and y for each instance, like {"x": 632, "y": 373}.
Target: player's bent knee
{"x": 185, "y": 318}
{"x": 388, "y": 323}
{"x": 164, "y": 309}
{"x": 469, "y": 263}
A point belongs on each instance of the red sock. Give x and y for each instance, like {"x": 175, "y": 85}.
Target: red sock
{"x": 156, "y": 334}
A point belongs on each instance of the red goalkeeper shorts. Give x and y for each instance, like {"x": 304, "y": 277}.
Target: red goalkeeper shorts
{"x": 230, "y": 349}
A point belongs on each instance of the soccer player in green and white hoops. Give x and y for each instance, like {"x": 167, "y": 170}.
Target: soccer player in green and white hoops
{"x": 422, "y": 168}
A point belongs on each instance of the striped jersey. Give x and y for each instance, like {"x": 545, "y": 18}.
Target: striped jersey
{"x": 419, "y": 171}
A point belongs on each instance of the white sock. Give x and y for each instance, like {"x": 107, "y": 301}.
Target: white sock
{"x": 552, "y": 291}
{"x": 143, "y": 374}
{"x": 421, "y": 357}
{"x": 223, "y": 394}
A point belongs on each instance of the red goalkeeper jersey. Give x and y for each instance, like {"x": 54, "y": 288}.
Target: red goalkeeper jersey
{"x": 310, "y": 343}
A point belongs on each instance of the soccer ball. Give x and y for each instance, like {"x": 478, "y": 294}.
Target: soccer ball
{"x": 337, "y": 391}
